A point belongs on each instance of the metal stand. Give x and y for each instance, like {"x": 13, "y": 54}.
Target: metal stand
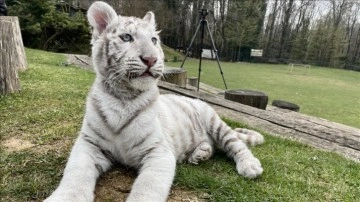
{"x": 203, "y": 22}
{"x": 3, "y": 9}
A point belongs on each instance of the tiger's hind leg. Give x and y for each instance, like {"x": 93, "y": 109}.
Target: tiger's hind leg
{"x": 230, "y": 141}
{"x": 234, "y": 144}
{"x": 201, "y": 153}
{"x": 250, "y": 137}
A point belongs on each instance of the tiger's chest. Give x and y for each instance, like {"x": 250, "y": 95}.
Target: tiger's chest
{"x": 136, "y": 134}
{"x": 133, "y": 132}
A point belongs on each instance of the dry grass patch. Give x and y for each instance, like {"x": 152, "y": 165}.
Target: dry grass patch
{"x": 16, "y": 144}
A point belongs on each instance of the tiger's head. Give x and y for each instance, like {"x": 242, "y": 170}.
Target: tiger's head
{"x": 125, "y": 50}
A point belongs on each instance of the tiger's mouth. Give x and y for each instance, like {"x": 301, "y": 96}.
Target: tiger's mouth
{"x": 145, "y": 74}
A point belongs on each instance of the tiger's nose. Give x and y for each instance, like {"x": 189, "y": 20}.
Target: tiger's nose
{"x": 148, "y": 61}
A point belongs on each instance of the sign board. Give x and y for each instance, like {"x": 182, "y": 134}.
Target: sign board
{"x": 208, "y": 53}
{"x": 256, "y": 53}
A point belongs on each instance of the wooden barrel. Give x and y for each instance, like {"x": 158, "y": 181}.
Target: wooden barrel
{"x": 175, "y": 75}
{"x": 248, "y": 97}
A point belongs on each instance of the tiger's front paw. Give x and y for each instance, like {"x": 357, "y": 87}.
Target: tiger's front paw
{"x": 249, "y": 168}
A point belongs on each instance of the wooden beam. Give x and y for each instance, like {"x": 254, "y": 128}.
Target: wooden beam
{"x": 313, "y": 131}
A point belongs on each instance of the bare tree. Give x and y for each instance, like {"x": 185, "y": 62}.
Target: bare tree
{"x": 351, "y": 22}
{"x": 338, "y": 9}
{"x": 270, "y": 27}
{"x": 288, "y": 7}
{"x": 301, "y": 31}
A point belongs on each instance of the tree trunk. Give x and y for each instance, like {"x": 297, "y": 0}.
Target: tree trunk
{"x": 272, "y": 19}
{"x": 285, "y": 32}
{"x": 12, "y": 54}
{"x": 50, "y": 39}
{"x": 11, "y": 41}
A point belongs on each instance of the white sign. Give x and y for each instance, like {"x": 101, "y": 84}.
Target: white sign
{"x": 208, "y": 53}
{"x": 256, "y": 52}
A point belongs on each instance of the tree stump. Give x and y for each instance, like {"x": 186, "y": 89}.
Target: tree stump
{"x": 11, "y": 41}
{"x": 12, "y": 54}
{"x": 248, "y": 97}
{"x": 193, "y": 81}
{"x": 175, "y": 75}
{"x": 285, "y": 105}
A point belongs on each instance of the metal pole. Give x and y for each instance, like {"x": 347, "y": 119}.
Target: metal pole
{"x": 216, "y": 55}
{"x": 191, "y": 43}
{"x": 203, "y": 21}
{"x": 3, "y": 9}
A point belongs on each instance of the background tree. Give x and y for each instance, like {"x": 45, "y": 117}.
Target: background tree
{"x": 245, "y": 20}
{"x": 300, "y": 36}
{"x": 323, "y": 33}
{"x": 50, "y": 26}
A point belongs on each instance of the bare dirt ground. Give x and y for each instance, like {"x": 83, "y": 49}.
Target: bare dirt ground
{"x": 115, "y": 185}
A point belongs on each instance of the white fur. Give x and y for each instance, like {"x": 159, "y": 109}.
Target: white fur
{"x": 128, "y": 121}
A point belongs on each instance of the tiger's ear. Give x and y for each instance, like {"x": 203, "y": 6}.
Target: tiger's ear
{"x": 150, "y": 18}
{"x": 99, "y": 15}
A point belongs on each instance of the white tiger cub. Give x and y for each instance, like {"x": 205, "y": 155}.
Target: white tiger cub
{"x": 129, "y": 122}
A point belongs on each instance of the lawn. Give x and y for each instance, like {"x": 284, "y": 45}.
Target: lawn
{"x": 333, "y": 94}
{"x": 47, "y": 115}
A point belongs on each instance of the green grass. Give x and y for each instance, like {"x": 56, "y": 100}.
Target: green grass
{"x": 49, "y": 112}
{"x": 170, "y": 54}
{"x": 333, "y": 94}
{"x": 52, "y": 97}
{"x": 292, "y": 172}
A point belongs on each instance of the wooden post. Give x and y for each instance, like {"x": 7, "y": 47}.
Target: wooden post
{"x": 248, "y": 97}
{"x": 12, "y": 54}
{"x": 176, "y": 76}
{"x": 193, "y": 81}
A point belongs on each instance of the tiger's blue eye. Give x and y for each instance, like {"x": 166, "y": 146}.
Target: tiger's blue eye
{"x": 126, "y": 38}
{"x": 154, "y": 40}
